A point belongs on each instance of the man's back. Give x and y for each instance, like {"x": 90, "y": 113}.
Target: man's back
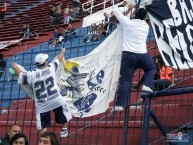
{"x": 46, "y": 92}
{"x": 135, "y": 32}
{"x": 134, "y": 36}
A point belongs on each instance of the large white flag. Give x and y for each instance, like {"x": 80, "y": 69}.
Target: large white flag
{"x": 92, "y": 79}
{"x": 89, "y": 83}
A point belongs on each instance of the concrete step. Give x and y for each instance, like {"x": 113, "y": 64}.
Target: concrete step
{"x": 171, "y": 114}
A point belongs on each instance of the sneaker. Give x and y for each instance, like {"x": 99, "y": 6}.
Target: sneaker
{"x": 88, "y": 41}
{"x": 64, "y": 132}
{"x": 117, "y": 109}
{"x": 146, "y": 89}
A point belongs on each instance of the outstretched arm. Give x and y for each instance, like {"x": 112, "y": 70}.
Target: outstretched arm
{"x": 16, "y": 69}
{"x": 61, "y": 55}
{"x": 118, "y": 12}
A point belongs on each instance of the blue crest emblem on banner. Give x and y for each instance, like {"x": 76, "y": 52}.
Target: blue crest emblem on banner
{"x": 83, "y": 104}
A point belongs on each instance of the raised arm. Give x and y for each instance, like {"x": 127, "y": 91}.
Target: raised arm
{"x": 61, "y": 55}
{"x": 118, "y": 12}
{"x": 16, "y": 69}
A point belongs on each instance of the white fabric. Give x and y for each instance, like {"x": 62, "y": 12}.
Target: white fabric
{"x": 4, "y": 44}
{"x": 95, "y": 80}
{"x": 135, "y": 32}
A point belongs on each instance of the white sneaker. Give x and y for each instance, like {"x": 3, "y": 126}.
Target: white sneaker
{"x": 117, "y": 108}
{"x": 147, "y": 89}
{"x": 64, "y": 133}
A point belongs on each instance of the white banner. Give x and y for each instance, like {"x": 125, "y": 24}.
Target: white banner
{"x": 93, "y": 81}
{"x": 4, "y": 44}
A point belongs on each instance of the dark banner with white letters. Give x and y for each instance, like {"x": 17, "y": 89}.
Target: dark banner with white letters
{"x": 172, "y": 22}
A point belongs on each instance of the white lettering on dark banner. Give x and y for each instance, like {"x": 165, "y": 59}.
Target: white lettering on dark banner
{"x": 173, "y": 29}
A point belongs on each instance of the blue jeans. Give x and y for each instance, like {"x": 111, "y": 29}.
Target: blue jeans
{"x": 129, "y": 63}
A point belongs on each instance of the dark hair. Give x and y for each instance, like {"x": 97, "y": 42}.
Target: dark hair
{"x": 140, "y": 14}
{"x": 53, "y": 138}
{"x": 40, "y": 65}
{"x": 17, "y": 136}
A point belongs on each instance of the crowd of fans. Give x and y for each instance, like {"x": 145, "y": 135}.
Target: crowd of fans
{"x": 69, "y": 14}
{"x": 15, "y": 136}
{"x": 96, "y": 31}
{"x": 103, "y": 29}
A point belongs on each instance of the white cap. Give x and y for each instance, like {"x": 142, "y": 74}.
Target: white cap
{"x": 41, "y": 58}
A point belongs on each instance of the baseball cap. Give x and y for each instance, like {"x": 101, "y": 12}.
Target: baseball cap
{"x": 41, "y": 58}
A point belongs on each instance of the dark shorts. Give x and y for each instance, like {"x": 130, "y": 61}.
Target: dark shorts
{"x": 44, "y": 119}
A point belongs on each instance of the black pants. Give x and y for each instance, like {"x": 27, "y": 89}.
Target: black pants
{"x": 161, "y": 84}
{"x": 2, "y": 14}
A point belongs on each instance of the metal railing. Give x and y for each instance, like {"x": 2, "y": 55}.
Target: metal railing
{"x": 89, "y": 5}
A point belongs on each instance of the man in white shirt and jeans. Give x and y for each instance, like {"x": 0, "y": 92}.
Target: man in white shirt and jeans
{"x": 134, "y": 53}
{"x": 46, "y": 92}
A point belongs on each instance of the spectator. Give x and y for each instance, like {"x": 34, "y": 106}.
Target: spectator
{"x": 23, "y": 33}
{"x": 3, "y": 10}
{"x": 166, "y": 76}
{"x": 49, "y": 138}
{"x": 70, "y": 32}
{"x": 55, "y": 38}
{"x": 91, "y": 34}
{"x": 100, "y": 32}
{"x": 58, "y": 13}
{"x": 46, "y": 92}
{"x": 163, "y": 78}
{"x": 76, "y": 7}
{"x": 63, "y": 33}
{"x": 66, "y": 14}
{"x": 2, "y": 65}
{"x": 112, "y": 22}
{"x": 70, "y": 17}
{"x": 14, "y": 129}
{"x": 52, "y": 15}
{"x": 134, "y": 54}
{"x": 19, "y": 139}
{"x": 30, "y": 32}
